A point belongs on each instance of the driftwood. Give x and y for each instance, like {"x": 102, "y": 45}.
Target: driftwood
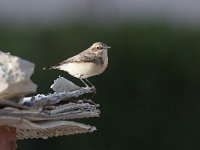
{"x": 43, "y": 115}
{"x": 42, "y": 100}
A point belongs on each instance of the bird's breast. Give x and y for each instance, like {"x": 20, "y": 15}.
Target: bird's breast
{"x": 83, "y": 69}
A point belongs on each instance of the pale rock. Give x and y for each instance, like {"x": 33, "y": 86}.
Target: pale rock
{"x": 63, "y": 85}
{"x": 15, "y": 76}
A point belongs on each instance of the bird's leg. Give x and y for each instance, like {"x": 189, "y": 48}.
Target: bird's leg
{"x": 84, "y": 82}
{"x": 89, "y": 82}
{"x": 92, "y": 86}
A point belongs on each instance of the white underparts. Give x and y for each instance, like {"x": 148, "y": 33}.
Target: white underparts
{"x": 82, "y": 70}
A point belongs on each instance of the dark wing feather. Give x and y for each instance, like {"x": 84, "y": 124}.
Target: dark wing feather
{"x": 83, "y": 57}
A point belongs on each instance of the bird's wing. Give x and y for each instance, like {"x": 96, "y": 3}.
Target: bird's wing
{"x": 89, "y": 57}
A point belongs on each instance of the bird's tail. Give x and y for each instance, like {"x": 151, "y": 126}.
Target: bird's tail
{"x": 50, "y": 67}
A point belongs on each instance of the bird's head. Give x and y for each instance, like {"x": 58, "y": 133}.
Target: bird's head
{"x": 99, "y": 47}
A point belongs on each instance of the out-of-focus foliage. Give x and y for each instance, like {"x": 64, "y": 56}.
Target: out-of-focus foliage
{"x": 149, "y": 95}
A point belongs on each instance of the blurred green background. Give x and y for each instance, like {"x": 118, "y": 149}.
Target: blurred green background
{"x": 149, "y": 95}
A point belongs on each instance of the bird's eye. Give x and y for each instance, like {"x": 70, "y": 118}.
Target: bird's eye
{"x": 99, "y": 47}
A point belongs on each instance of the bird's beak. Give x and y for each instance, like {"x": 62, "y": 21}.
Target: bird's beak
{"x": 108, "y": 47}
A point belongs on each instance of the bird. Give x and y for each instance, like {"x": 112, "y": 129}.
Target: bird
{"x": 90, "y": 62}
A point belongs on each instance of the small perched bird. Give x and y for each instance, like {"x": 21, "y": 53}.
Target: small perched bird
{"x": 91, "y": 62}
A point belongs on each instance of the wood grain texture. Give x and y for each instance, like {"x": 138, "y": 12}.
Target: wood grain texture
{"x": 7, "y": 138}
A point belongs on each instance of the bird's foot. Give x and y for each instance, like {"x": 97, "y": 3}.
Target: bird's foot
{"x": 93, "y": 89}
